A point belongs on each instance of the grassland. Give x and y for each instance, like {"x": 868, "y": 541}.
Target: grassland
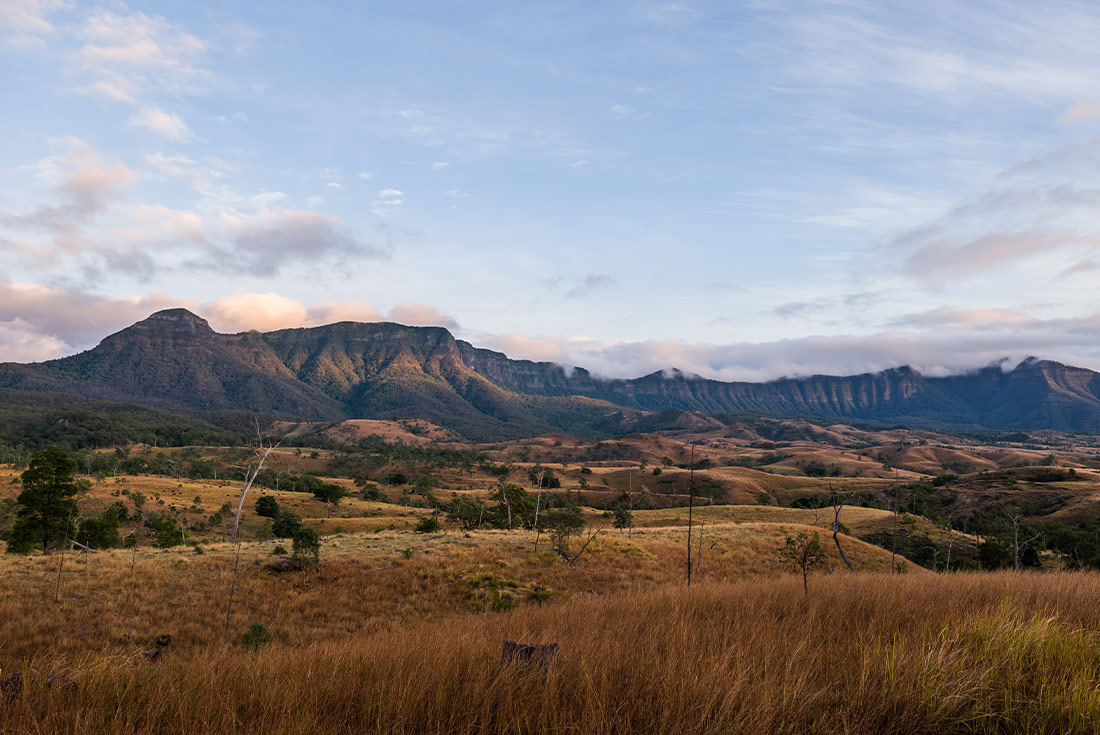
{"x": 400, "y": 632}
{"x": 863, "y": 653}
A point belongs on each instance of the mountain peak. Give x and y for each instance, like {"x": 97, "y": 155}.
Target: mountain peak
{"x": 178, "y": 321}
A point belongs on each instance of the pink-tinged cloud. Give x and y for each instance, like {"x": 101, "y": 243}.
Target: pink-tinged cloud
{"x": 265, "y": 312}
{"x": 419, "y": 315}
{"x": 242, "y": 311}
{"x": 44, "y": 322}
{"x": 1080, "y": 112}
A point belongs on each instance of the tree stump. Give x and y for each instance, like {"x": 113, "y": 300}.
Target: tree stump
{"x": 528, "y": 655}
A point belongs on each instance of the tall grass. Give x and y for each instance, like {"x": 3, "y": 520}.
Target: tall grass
{"x": 862, "y": 653}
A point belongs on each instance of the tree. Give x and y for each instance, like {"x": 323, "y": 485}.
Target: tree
{"x": 329, "y": 493}
{"x": 267, "y": 506}
{"x": 286, "y": 524}
{"x": 623, "y": 517}
{"x": 99, "y": 532}
{"x": 838, "y": 505}
{"x": 804, "y": 552}
{"x": 47, "y": 505}
{"x": 307, "y": 546}
{"x": 167, "y": 532}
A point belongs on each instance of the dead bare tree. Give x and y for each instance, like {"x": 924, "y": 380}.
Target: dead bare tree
{"x": 538, "y": 502}
{"x": 691, "y": 502}
{"x": 838, "y": 505}
{"x": 894, "y": 533}
{"x": 571, "y": 559}
{"x": 507, "y": 503}
{"x": 1017, "y": 547}
{"x": 232, "y": 589}
{"x": 263, "y": 451}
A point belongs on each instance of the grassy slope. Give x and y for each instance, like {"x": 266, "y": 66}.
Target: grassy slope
{"x": 860, "y": 654}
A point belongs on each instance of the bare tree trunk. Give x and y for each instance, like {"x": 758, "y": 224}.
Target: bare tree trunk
{"x": 894, "y": 533}
{"x": 232, "y": 588}
{"x": 691, "y": 502}
{"x": 250, "y": 475}
{"x": 838, "y": 505}
{"x": 507, "y": 504}
{"x": 538, "y": 503}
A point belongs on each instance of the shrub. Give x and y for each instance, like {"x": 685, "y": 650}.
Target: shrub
{"x": 307, "y": 546}
{"x": 256, "y": 637}
{"x": 428, "y": 524}
{"x": 267, "y": 506}
{"x": 99, "y": 532}
{"x": 329, "y": 493}
{"x": 167, "y": 532}
{"x": 286, "y": 524}
{"x": 279, "y": 551}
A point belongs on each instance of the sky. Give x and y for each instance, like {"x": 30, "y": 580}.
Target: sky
{"x": 741, "y": 190}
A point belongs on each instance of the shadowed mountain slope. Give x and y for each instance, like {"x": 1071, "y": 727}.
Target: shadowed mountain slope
{"x": 175, "y": 360}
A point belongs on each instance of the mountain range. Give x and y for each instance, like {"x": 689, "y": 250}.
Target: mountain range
{"x": 174, "y": 360}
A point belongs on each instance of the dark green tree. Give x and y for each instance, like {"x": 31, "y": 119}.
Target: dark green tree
{"x": 167, "y": 532}
{"x": 307, "y": 546}
{"x": 99, "y": 532}
{"x": 286, "y": 524}
{"x": 47, "y": 505}
{"x": 267, "y": 506}
{"x": 623, "y": 517}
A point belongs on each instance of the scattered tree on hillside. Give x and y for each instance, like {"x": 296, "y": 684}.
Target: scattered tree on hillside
{"x": 804, "y": 552}
{"x": 838, "y": 505}
{"x": 267, "y": 506}
{"x": 47, "y": 505}
{"x": 262, "y": 452}
{"x": 1019, "y": 547}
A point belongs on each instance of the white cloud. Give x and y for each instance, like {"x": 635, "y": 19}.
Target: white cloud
{"x": 129, "y": 54}
{"x": 438, "y": 165}
{"x": 165, "y": 124}
{"x": 23, "y": 23}
{"x": 389, "y": 201}
{"x": 87, "y": 221}
{"x": 366, "y": 175}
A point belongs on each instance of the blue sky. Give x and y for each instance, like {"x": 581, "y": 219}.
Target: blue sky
{"x": 739, "y": 190}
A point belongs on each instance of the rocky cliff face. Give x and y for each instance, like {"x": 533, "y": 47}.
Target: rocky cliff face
{"x": 174, "y": 359}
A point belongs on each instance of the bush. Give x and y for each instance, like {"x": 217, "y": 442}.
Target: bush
{"x": 167, "y": 532}
{"x": 286, "y": 524}
{"x": 256, "y": 637}
{"x": 267, "y": 506}
{"x": 329, "y": 493}
{"x": 307, "y": 547}
{"x": 100, "y": 532}
{"x": 279, "y": 551}
{"x": 428, "y": 524}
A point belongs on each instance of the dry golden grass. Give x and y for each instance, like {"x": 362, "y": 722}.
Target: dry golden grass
{"x": 365, "y": 581}
{"x": 860, "y": 654}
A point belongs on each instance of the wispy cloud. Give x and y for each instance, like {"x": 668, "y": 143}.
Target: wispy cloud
{"x": 591, "y": 284}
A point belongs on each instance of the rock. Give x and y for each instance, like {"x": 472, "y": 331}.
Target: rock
{"x": 163, "y": 640}
{"x": 12, "y": 685}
